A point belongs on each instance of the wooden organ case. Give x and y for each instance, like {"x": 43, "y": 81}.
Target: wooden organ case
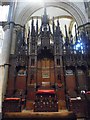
{"x": 47, "y": 62}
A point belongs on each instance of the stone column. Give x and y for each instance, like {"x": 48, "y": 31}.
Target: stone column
{"x": 1, "y": 78}
{"x": 7, "y": 44}
{"x": 14, "y": 38}
{"x": 6, "y": 53}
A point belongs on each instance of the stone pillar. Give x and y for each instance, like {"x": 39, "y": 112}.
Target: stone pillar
{"x": 1, "y": 78}
{"x": 14, "y": 39}
{"x": 6, "y": 50}
{"x": 6, "y": 45}
{"x": 9, "y": 45}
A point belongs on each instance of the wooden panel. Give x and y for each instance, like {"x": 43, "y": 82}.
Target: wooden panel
{"x": 45, "y": 75}
{"x": 39, "y": 64}
{"x": 29, "y": 105}
{"x": 52, "y": 76}
{"x": 20, "y": 82}
{"x": 11, "y": 77}
{"x": 31, "y": 95}
{"x": 43, "y": 63}
{"x": 45, "y": 71}
{"x": 9, "y": 92}
{"x": 39, "y": 77}
{"x": 70, "y": 82}
{"x": 28, "y": 81}
{"x": 58, "y": 76}
{"x": 45, "y": 80}
{"x": 11, "y": 105}
{"x": 78, "y": 107}
{"x": 88, "y": 83}
{"x": 88, "y": 103}
{"x": 62, "y": 115}
{"x": 51, "y": 63}
{"x": 61, "y": 105}
{"x": 47, "y": 63}
{"x": 46, "y": 102}
{"x": 12, "y": 68}
{"x": 81, "y": 80}
{"x": 62, "y": 74}
{"x": 60, "y": 94}
{"x": 10, "y": 84}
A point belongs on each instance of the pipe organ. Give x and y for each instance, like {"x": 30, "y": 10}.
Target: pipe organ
{"x": 48, "y": 62}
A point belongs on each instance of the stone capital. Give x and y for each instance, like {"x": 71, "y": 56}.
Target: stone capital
{"x": 7, "y": 26}
{"x": 18, "y": 27}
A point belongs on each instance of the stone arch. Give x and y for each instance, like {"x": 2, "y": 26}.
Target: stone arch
{"x": 71, "y": 8}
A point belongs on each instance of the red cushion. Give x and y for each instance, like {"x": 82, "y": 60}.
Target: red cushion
{"x": 12, "y": 98}
{"x": 88, "y": 92}
{"x": 46, "y": 91}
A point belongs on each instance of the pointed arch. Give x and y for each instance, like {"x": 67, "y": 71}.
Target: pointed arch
{"x": 71, "y": 8}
